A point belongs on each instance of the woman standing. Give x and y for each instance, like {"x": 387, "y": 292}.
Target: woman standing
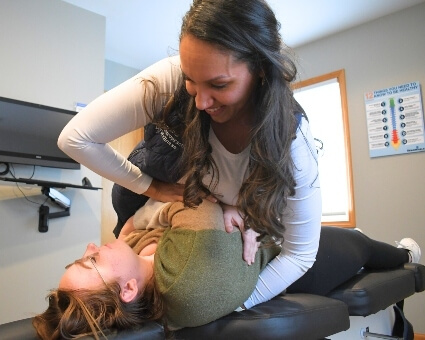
{"x": 228, "y": 96}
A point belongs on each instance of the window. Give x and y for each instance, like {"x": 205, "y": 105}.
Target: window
{"x": 324, "y": 100}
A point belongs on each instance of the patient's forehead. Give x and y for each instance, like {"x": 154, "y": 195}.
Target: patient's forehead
{"x": 80, "y": 277}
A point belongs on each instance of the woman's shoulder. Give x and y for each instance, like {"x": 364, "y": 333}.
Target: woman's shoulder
{"x": 304, "y": 156}
{"x": 304, "y": 139}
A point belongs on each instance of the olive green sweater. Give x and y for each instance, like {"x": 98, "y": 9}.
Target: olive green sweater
{"x": 198, "y": 265}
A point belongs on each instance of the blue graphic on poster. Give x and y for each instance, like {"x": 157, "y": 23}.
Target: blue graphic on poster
{"x": 395, "y": 120}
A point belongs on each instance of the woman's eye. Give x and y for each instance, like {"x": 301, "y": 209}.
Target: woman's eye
{"x": 92, "y": 258}
{"x": 218, "y": 86}
{"x": 185, "y": 78}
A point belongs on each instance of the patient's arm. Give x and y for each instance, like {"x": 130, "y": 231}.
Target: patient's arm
{"x": 127, "y": 228}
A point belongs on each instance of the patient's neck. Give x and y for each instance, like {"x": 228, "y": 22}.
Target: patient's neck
{"x": 150, "y": 249}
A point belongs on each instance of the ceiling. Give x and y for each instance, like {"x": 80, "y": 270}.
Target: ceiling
{"x": 140, "y": 32}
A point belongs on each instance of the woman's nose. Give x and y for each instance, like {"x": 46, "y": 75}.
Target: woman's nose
{"x": 203, "y": 100}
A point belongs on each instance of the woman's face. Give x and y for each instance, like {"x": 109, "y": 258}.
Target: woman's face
{"x": 111, "y": 262}
{"x": 221, "y": 85}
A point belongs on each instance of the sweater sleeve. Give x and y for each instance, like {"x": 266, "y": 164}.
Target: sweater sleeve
{"x": 302, "y": 220}
{"x": 112, "y": 115}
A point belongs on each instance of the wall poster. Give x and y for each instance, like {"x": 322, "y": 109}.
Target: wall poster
{"x": 395, "y": 120}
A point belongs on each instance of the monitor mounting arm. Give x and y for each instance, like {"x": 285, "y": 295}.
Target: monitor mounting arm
{"x": 47, "y": 188}
{"x": 44, "y": 211}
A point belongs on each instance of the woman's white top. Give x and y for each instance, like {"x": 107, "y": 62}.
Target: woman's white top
{"x": 122, "y": 110}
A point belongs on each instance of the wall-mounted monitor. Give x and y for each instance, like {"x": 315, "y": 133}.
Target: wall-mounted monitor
{"x": 29, "y": 134}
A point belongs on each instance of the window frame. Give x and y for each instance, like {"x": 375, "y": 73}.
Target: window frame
{"x": 339, "y": 75}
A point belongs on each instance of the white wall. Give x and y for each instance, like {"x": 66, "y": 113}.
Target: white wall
{"x": 52, "y": 53}
{"x": 116, "y": 74}
{"x": 389, "y": 191}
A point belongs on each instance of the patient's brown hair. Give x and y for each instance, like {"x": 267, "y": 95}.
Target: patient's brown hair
{"x": 76, "y": 313}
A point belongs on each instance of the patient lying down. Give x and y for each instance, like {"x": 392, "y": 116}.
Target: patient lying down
{"x": 180, "y": 268}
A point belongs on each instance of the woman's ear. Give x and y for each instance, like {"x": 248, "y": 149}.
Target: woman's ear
{"x": 262, "y": 77}
{"x": 129, "y": 290}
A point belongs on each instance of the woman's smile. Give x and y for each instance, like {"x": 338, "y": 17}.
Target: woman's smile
{"x": 215, "y": 111}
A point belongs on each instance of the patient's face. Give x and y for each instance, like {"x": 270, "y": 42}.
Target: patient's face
{"x": 114, "y": 261}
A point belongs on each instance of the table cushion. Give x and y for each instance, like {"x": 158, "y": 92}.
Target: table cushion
{"x": 371, "y": 291}
{"x": 291, "y": 316}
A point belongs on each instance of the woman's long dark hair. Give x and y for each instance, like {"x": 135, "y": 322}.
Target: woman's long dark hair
{"x": 249, "y": 30}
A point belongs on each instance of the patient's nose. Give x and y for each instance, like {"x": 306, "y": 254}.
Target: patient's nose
{"x": 91, "y": 248}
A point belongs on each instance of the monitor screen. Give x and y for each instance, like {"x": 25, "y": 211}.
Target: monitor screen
{"x": 29, "y": 134}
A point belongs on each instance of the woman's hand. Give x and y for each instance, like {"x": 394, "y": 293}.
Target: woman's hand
{"x": 165, "y": 192}
{"x": 232, "y": 218}
{"x": 250, "y": 245}
{"x": 169, "y": 192}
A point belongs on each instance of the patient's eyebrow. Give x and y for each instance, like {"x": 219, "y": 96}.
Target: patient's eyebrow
{"x": 82, "y": 261}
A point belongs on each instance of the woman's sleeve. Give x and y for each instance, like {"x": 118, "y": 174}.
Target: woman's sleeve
{"x": 112, "y": 115}
{"x": 302, "y": 220}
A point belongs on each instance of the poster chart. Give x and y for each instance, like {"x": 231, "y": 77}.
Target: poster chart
{"x": 395, "y": 120}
